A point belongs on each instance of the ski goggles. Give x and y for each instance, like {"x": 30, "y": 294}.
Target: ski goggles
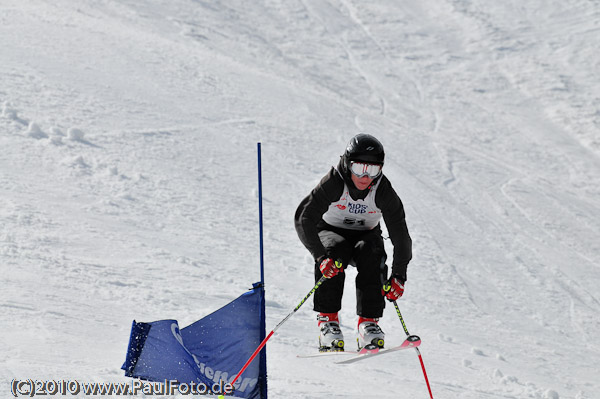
{"x": 361, "y": 169}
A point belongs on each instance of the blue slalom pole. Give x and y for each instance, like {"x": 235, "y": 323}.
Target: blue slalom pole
{"x": 263, "y": 330}
{"x": 260, "y": 218}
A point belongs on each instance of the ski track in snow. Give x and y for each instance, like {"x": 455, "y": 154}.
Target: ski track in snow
{"x": 128, "y": 182}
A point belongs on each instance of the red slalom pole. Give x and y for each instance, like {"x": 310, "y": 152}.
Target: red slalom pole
{"x": 263, "y": 343}
{"x": 417, "y": 349}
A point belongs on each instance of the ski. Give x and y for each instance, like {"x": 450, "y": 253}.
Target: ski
{"x": 412, "y": 341}
{"x": 332, "y": 353}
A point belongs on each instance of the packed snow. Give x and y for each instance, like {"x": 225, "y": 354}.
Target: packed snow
{"x": 128, "y": 182}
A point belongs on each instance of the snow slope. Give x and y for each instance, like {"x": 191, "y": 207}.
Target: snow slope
{"x": 128, "y": 187}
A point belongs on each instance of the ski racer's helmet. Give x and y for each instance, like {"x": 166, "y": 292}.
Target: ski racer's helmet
{"x": 363, "y": 148}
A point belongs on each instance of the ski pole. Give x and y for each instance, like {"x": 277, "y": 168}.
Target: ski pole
{"x": 417, "y": 349}
{"x": 263, "y": 343}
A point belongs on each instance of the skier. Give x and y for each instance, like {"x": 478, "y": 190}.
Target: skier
{"x": 338, "y": 222}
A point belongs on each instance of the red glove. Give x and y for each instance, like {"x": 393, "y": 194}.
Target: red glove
{"x": 330, "y": 268}
{"x": 392, "y": 289}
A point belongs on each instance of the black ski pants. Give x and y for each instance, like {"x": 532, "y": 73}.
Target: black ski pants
{"x": 365, "y": 251}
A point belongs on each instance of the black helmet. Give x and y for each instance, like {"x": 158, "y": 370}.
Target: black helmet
{"x": 365, "y": 148}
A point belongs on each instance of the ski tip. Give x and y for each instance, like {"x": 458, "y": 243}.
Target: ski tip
{"x": 412, "y": 341}
{"x": 414, "y": 338}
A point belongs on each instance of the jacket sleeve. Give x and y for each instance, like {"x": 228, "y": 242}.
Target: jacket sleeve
{"x": 311, "y": 209}
{"x": 394, "y": 217}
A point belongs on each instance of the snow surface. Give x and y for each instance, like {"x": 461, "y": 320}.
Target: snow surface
{"x": 128, "y": 187}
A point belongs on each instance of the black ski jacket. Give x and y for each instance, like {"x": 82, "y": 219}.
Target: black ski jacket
{"x": 308, "y": 218}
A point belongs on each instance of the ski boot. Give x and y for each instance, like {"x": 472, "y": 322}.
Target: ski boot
{"x": 370, "y": 335}
{"x": 331, "y": 338}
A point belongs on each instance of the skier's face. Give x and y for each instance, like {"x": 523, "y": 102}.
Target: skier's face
{"x": 361, "y": 183}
